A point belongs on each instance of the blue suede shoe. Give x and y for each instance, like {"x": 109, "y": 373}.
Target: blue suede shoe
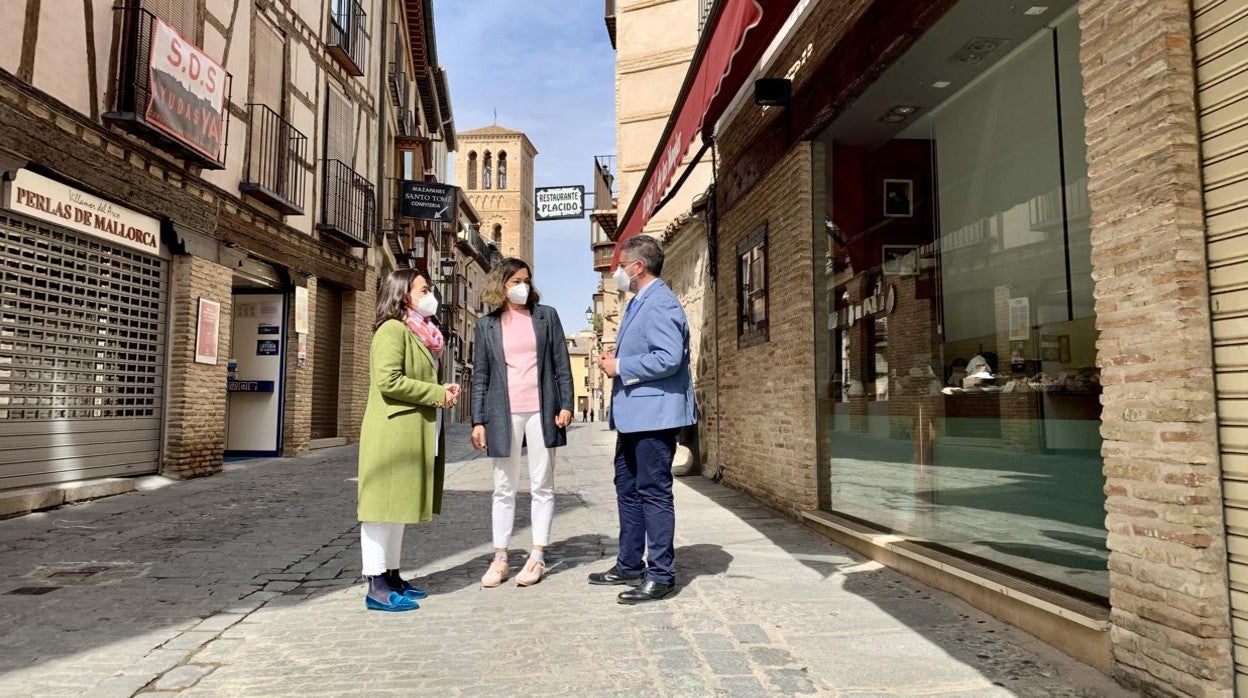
{"x": 397, "y": 603}
{"x": 402, "y": 586}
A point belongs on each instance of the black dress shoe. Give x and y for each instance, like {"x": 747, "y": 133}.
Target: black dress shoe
{"x": 613, "y": 577}
{"x": 650, "y": 591}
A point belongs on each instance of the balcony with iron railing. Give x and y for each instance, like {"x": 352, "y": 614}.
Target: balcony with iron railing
{"x": 346, "y": 42}
{"x": 276, "y": 157}
{"x": 604, "y": 220}
{"x": 173, "y": 105}
{"x": 349, "y": 204}
{"x": 400, "y": 97}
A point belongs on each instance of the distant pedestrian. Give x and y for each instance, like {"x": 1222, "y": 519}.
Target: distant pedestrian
{"x": 400, "y": 474}
{"x": 522, "y": 392}
{"x": 591, "y": 416}
{"x": 651, "y": 400}
{"x": 584, "y": 415}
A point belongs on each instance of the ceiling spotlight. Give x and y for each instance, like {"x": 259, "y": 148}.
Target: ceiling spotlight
{"x": 941, "y": 84}
{"x": 977, "y": 49}
{"x": 903, "y": 109}
{"x": 1035, "y": 10}
{"x": 892, "y": 118}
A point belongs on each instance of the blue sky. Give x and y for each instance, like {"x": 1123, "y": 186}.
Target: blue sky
{"x": 549, "y": 69}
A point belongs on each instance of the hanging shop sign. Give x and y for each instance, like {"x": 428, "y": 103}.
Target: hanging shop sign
{"x": 187, "y": 95}
{"x": 49, "y": 200}
{"x": 559, "y": 203}
{"x": 428, "y": 201}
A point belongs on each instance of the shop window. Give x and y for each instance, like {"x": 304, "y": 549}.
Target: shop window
{"x": 752, "y": 325}
{"x": 962, "y": 401}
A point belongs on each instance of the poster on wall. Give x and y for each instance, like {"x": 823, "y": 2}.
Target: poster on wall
{"x": 1020, "y": 318}
{"x": 187, "y": 96}
{"x": 207, "y": 332}
{"x": 301, "y": 310}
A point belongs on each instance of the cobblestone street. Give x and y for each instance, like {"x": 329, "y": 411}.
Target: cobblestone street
{"x": 246, "y": 584}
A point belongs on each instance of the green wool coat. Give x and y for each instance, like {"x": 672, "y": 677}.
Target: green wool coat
{"x": 400, "y": 481}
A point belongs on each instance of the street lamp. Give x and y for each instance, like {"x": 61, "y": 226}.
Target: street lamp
{"x": 589, "y": 314}
{"x": 447, "y": 267}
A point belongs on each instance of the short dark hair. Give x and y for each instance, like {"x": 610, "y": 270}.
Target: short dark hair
{"x": 646, "y": 249}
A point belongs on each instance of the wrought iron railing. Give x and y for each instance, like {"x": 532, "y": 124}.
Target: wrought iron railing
{"x": 346, "y": 40}
{"x": 155, "y": 104}
{"x": 399, "y": 97}
{"x": 276, "y": 153}
{"x": 349, "y": 204}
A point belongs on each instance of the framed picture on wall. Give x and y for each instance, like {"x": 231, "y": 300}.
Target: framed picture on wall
{"x": 900, "y": 260}
{"x": 898, "y": 198}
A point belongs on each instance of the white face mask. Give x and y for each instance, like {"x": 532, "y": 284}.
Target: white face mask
{"x": 623, "y": 281}
{"x": 518, "y": 294}
{"x": 427, "y": 305}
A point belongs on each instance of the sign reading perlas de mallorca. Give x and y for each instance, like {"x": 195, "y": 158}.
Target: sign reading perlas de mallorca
{"x": 187, "y": 96}
{"x": 49, "y": 200}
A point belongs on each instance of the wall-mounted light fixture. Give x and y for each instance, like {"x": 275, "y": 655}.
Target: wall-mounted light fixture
{"x": 773, "y": 92}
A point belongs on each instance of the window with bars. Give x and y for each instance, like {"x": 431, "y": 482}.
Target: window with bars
{"x": 752, "y": 300}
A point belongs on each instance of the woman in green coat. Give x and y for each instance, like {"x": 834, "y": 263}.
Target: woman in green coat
{"x": 400, "y": 478}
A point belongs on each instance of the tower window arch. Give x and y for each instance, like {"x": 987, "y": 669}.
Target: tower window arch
{"x": 497, "y": 232}
{"x": 486, "y": 168}
{"x": 502, "y": 169}
{"x": 472, "y": 169}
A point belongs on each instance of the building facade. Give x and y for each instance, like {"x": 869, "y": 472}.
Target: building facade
{"x": 992, "y": 252}
{"x": 495, "y": 171}
{"x": 193, "y": 194}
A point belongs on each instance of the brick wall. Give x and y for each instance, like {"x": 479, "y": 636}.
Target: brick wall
{"x": 297, "y": 418}
{"x": 1166, "y": 532}
{"x": 686, "y": 270}
{"x": 359, "y": 309}
{"x": 194, "y": 445}
{"x": 767, "y": 403}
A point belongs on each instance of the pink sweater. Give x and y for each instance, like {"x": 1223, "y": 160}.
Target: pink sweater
{"x": 520, "y": 353}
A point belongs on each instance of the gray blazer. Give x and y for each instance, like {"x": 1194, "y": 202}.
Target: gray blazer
{"x": 491, "y": 405}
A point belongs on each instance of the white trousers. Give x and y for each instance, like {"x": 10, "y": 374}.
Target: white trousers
{"x": 541, "y": 481}
{"x": 381, "y": 544}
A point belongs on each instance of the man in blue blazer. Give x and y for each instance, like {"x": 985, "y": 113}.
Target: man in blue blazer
{"x": 651, "y": 400}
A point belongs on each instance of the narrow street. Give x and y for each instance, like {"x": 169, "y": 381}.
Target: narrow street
{"x": 246, "y": 584}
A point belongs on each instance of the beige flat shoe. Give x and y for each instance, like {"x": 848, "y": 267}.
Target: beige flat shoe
{"x": 532, "y": 573}
{"x": 496, "y": 575}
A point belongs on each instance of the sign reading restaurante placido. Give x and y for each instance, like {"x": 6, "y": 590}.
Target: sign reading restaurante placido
{"x": 49, "y": 200}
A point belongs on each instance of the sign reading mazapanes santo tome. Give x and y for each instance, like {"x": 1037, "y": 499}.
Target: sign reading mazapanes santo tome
{"x": 49, "y": 200}
{"x": 557, "y": 203}
{"x": 187, "y": 95}
{"x": 429, "y": 201}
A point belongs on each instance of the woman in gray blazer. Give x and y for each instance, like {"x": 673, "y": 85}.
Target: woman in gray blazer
{"x": 521, "y": 390}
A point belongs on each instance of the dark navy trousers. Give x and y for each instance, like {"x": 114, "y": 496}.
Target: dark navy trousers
{"x": 643, "y": 488}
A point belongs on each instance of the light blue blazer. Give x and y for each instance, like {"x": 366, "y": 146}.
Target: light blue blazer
{"x": 653, "y": 389}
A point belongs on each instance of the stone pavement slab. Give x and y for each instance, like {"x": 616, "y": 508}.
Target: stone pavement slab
{"x": 246, "y": 584}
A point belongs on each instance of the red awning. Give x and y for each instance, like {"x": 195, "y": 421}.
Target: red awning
{"x": 737, "y": 35}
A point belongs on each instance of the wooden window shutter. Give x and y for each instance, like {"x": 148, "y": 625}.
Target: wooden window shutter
{"x": 268, "y": 73}
{"x": 182, "y": 14}
{"x": 339, "y": 129}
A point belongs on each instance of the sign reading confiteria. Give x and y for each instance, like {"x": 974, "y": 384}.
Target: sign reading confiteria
{"x": 187, "y": 96}
{"x": 49, "y": 200}
{"x": 557, "y": 203}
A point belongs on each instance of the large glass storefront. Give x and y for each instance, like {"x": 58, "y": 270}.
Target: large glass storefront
{"x": 961, "y": 401}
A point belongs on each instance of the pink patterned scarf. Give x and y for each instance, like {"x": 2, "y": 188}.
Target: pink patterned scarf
{"x": 426, "y": 331}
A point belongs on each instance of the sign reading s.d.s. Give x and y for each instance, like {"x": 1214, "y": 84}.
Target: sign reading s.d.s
{"x": 429, "y": 201}
{"x": 187, "y": 96}
{"x": 49, "y": 200}
{"x": 556, "y": 203}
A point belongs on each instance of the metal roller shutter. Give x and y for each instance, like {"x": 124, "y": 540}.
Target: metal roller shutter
{"x": 82, "y": 356}
{"x": 1222, "y": 82}
{"x": 326, "y": 358}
